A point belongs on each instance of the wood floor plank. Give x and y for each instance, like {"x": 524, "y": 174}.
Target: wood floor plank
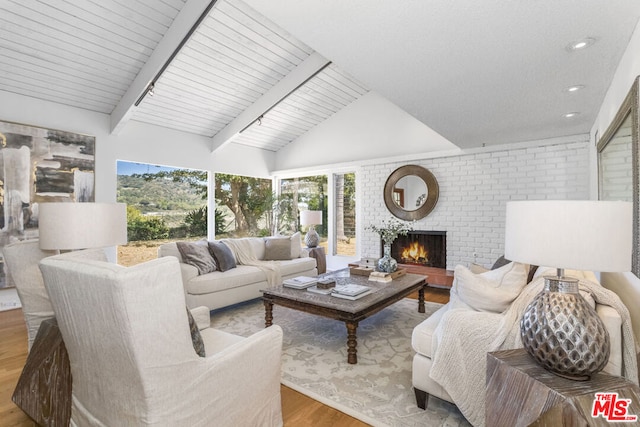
{"x": 298, "y": 409}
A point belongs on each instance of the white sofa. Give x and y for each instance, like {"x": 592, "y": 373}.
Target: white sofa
{"x": 424, "y": 343}
{"x": 220, "y": 289}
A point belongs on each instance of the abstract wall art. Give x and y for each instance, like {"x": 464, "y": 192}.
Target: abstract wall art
{"x": 39, "y": 165}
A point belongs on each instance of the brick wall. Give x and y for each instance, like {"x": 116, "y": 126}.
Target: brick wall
{"x": 474, "y": 189}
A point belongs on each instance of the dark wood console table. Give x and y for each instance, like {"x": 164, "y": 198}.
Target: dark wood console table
{"x": 522, "y": 393}
{"x": 43, "y": 391}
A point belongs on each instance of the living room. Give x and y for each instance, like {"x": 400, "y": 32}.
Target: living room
{"x": 373, "y": 136}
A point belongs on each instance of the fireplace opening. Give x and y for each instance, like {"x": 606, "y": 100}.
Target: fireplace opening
{"x": 424, "y": 248}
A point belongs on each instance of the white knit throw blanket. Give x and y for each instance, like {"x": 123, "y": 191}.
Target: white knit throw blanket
{"x": 463, "y": 338}
{"x": 244, "y": 255}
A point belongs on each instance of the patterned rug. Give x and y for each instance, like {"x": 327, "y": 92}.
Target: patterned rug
{"x": 378, "y": 389}
{"x": 9, "y": 299}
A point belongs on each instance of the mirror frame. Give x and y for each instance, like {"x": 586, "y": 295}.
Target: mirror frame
{"x": 433, "y": 192}
{"x": 630, "y": 106}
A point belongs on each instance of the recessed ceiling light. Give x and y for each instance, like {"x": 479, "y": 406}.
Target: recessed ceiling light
{"x": 570, "y": 115}
{"x": 581, "y": 44}
{"x": 574, "y": 88}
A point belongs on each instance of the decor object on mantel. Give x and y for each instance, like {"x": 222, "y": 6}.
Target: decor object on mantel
{"x": 311, "y": 218}
{"x": 389, "y": 231}
{"x": 559, "y": 329}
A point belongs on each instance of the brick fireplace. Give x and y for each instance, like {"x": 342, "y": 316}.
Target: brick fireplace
{"x": 421, "y": 248}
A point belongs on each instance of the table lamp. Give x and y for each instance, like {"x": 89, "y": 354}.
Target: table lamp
{"x": 311, "y": 218}
{"x": 71, "y": 226}
{"x": 559, "y": 329}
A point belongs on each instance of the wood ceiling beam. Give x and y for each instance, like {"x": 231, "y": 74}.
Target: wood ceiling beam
{"x": 306, "y": 70}
{"x": 178, "y": 33}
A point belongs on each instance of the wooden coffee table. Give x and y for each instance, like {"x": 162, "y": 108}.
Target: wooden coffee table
{"x": 347, "y": 311}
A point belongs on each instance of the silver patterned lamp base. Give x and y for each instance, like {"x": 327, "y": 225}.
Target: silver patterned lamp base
{"x": 311, "y": 239}
{"x": 563, "y": 333}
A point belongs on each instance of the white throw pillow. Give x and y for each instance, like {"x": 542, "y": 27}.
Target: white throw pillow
{"x": 493, "y": 290}
{"x": 296, "y": 245}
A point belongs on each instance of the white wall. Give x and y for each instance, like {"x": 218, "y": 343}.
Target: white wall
{"x": 368, "y": 128}
{"x": 137, "y": 142}
{"x": 474, "y": 189}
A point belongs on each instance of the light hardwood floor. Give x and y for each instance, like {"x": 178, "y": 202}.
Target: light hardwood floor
{"x": 298, "y": 409}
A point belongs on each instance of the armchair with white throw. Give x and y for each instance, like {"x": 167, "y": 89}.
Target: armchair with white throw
{"x": 132, "y": 358}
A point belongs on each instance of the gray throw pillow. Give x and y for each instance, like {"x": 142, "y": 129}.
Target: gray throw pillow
{"x": 196, "y": 337}
{"x": 197, "y": 255}
{"x": 277, "y": 248}
{"x": 223, "y": 255}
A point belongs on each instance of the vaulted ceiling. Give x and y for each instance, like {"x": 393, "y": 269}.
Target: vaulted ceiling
{"x": 263, "y": 72}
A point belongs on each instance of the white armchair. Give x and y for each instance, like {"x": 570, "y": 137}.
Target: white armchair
{"x": 21, "y": 261}
{"x": 132, "y": 360}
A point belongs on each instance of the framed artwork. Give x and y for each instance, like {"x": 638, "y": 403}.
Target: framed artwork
{"x": 40, "y": 165}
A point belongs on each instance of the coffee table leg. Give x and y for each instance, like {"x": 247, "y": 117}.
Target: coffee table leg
{"x": 268, "y": 313}
{"x": 352, "y": 342}
{"x": 421, "y": 299}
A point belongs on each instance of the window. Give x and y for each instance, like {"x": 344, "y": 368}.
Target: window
{"x": 345, "y": 214}
{"x": 297, "y": 194}
{"x": 244, "y": 206}
{"x": 163, "y": 204}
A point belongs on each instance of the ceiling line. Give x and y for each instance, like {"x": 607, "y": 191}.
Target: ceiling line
{"x": 305, "y": 71}
{"x": 190, "y": 16}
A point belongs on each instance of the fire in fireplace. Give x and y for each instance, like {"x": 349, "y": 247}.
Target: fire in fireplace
{"x": 419, "y": 247}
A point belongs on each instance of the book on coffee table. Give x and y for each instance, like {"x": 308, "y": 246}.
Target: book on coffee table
{"x": 316, "y": 290}
{"x": 300, "y": 282}
{"x": 351, "y": 289}
{"x": 352, "y": 297}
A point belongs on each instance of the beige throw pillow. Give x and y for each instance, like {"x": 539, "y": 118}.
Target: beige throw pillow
{"x": 493, "y": 290}
{"x": 277, "y": 248}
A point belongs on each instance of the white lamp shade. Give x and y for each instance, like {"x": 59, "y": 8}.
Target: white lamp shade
{"x": 70, "y": 226}
{"x": 310, "y": 217}
{"x": 570, "y": 234}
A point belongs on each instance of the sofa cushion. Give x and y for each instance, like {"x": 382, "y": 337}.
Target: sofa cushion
{"x": 223, "y": 255}
{"x": 198, "y": 255}
{"x": 491, "y": 291}
{"x": 277, "y": 248}
{"x": 242, "y": 275}
{"x": 297, "y": 266}
{"x": 422, "y": 335}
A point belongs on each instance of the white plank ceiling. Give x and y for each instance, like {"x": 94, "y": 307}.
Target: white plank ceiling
{"x": 80, "y": 53}
{"x": 253, "y": 58}
{"x": 87, "y": 53}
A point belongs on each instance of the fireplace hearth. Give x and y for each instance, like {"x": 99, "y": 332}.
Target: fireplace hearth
{"x": 422, "y": 248}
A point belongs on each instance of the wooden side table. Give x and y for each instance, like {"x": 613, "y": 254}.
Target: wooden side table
{"x": 321, "y": 258}
{"x": 43, "y": 391}
{"x": 522, "y": 393}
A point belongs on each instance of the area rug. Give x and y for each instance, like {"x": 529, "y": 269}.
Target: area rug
{"x": 378, "y": 389}
{"x": 9, "y": 299}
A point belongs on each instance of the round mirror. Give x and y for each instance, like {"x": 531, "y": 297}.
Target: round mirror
{"x": 411, "y": 192}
